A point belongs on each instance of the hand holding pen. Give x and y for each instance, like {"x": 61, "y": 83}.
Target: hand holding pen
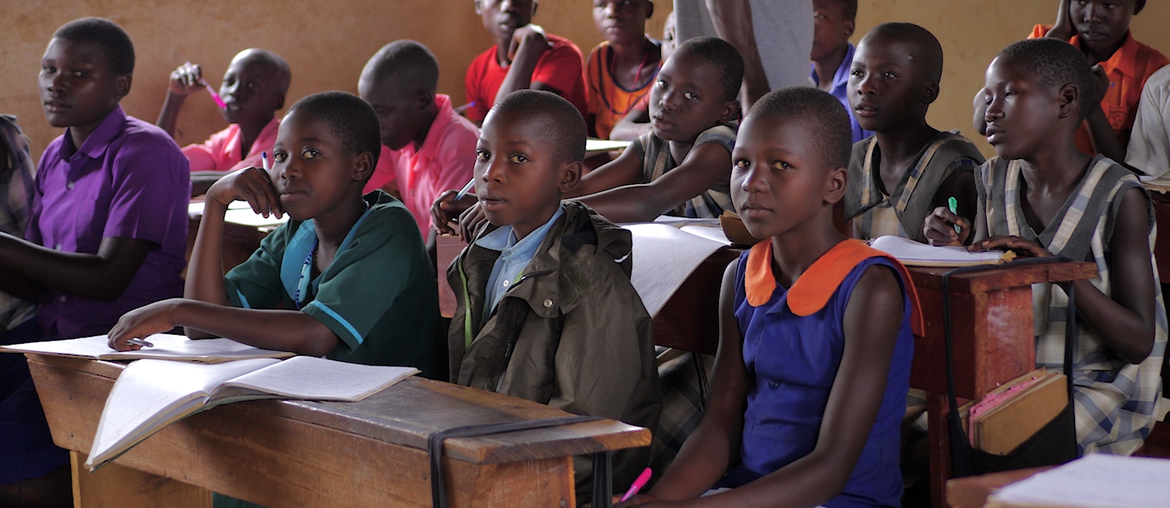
{"x": 449, "y": 205}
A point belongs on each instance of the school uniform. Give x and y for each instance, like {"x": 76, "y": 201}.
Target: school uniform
{"x": 793, "y": 342}
{"x": 657, "y": 161}
{"x": 901, "y": 211}
{"x": 222, "y": 151}
{"x": 17, "y": 177}
{"x": 610, "y": 101}
{"x": 1128, "y": 69}
{"x": 1114, "y": 401}
{"x": 443, "y": 162}
{"x": 840, "y": 90}
{"x": 128, "y": 180}
{"x": 558, "y": 67}
{"x": 1149, "y": 142}
{"x": 379, "y": 294}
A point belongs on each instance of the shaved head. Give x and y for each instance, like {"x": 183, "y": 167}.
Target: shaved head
{"x": 925, "y": 49}
{"x": 403, "y": 63}
{"x": 276, "y": 68}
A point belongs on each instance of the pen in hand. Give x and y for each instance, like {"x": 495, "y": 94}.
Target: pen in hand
{"x": 637, "y": 485}
{"x": 953, "y": 204}
{"x": 139, "y": 342}
{"x": 466, "y": 188}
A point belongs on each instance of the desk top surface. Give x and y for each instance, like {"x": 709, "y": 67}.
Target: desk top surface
{"x": 408, "y": 412}
{"x": 1002, "y": 277}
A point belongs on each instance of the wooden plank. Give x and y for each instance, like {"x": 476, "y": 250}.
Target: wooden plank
{"x": 115, "y": 486}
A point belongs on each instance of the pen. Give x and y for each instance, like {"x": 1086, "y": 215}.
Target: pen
{"x": 953, "y": 204}
{"x": 214, "y": 96}
{"x": 264, "y": 159}
{"x": 139, "y": 342}
{"x": 637, "y": 485}
{"x": 465, "y": 189}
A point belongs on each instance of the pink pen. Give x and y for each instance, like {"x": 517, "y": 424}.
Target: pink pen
{"x": 214, "y": 96}
{"x": 637, "y": 485}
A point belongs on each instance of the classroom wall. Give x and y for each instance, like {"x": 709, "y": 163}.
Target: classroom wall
{"x": 327, "y": 43}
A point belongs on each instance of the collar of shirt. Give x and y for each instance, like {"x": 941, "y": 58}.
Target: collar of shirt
{"x": 1123, "y": 60}
{"x": 841, "y": 77}
{"x": 97, "y": 142}
{"x": 430, "y": 147}
{"x": 515, "y": 254}
{"x": 298, "y": 248}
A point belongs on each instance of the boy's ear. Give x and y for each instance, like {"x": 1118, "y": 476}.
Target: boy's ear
{"x": 425, "y": 99}
{"x": 930, "y": 93}
{"x": 570, "y": 176}
{"x": 1070, "y": 100}
{"x": 835, "y": 185}
{"x": 478, "y": 7}
{"x": 730, "y": 111}
{"x": 649, "y": 9}
{"x": 363, "y": 167}
{"x": 122, "y": 85}
{"x": 534, "y": 5}
{"x": 279, "y": 102}
{"x": 849, "y": 25}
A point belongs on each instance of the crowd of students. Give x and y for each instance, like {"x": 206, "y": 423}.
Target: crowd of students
{"x": 811, "y": 377}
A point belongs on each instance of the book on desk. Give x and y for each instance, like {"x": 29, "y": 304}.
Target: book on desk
{"x": 164, "y": 346}
{"x": 151, "y": 394}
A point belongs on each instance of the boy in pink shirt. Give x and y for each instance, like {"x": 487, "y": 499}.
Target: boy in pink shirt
{"x": 253, "y": 90}
{"x": 427, "y": 147}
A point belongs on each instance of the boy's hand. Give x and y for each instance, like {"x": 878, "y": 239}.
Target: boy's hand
{"x": 472, "y": 222}
{"x": 638, "y": 500}
{"x": 143, "y": 322}
{"x": 1063, "y": 28}
{"x": 251, "y": 184}
{"x": 939, "y": 228}
{"x": 445, "y": 210}
{"x": 1013, "y": 243}
{"x": 528, "y": 43}
{"x": 1103, "y": 83}
{"x": 186, "y": 80}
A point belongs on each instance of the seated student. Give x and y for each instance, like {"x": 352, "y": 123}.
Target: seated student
{"x": 819, "y": 425}
{"x": 908, "y": 168}
{"x": 427, "y": 147}
{"x": 1149, "y": 142}
{"x": 621, "y": 70}
{"x": 546, "y": 287}
{"x": 524, "y": 57}
{"x": 1044, "y": 197}
{"x": 107, "y": 232}
{"x": 682, "y": 166}
{"x": 1100, "y": 29}
{"x": 832, "y": 53}
{"x": 346, "y": 277}
{"x": 17, "y": 186}
{"x": 253, "y": 89}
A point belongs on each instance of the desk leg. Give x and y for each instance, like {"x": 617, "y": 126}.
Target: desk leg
{"x": 940, "y": 452}
{"x": 115, "y": 485}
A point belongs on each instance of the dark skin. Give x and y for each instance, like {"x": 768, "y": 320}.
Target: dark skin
{"x": 687, "y": 99}
{"x": 1016, "y": 103}
{"x": 78, "y": 89}
{"x": 632, "y": 56}
{"x": 519, "y": 43}
{"x": 775, "y": 180}
{"x": 252, "y": 90}
{"x": 313, "y": 177}
{"x": 890, "y": 91}
{"x": 831, "y": 33}
{"x": 1102, "y": 27}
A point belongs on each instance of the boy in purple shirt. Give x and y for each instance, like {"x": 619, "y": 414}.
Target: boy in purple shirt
{"x": 107, "y": 234}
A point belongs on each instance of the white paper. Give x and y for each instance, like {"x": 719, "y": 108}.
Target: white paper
{"x": 307, "y": 377}
{"x": 239, "y": 212}
{"x": 166, "y": 346}
{"x": 605, "y": 145}
{"x": 1096, "y": 481}
{"x": 910, "y": 252}
{"x": 664, "y": 257}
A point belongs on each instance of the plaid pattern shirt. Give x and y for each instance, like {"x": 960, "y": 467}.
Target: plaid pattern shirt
{"x": 1115, "y": 401}
{"x": 16, "y": 188}
{"x": 657, "y": 161}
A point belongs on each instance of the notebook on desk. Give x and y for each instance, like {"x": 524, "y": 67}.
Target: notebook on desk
{"x": 1094, "y": 481}
{"x": 666, "y": 252}
{"x": 165, "y": 346}
{"x": 912, "y": 253}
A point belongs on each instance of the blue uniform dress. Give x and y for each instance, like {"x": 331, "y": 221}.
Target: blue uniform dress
{"x": 793, "y": 361}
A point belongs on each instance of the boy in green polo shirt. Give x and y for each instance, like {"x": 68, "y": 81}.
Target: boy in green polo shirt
{"x": 347, "y": 277}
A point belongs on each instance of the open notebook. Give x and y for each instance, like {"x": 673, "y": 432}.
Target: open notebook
{"x": 151, "y": 394}
{"x": 666, "y": 252}
{"x": 1094, "y": 481}
{"x": 166, "y": 346}
{"x": 912, "y": 253}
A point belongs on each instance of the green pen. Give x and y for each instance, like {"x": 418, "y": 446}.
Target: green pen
{"x": 953, "y": 204}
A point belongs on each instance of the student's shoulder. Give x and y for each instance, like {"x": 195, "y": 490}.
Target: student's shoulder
{"x": 140, "y": 133}
{"x": 1148, "y": 59}
{"x": 561, "y": 44}
{"x": 387, "y": 214}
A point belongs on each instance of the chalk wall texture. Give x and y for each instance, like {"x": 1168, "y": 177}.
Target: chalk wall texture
{"x": 328, "y": 42}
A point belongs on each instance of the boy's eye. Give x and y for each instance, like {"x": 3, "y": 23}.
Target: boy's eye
{"x": 660, "y": 83}
{"x": 889, "y": 75}
{"x": 79, "y": 74}
{"x": 310, "y": 153}
{"x": 855, "y": 73}
{"x": 251, "y": 85}
{"x": 691, "y": 96}
{"x": 279, "y": 156}
{"x": 742, "y": 164}
{"x": 781, "y": 165}
{"x": 482, "y": 155}
{"x": 48, "y": 69}
{"x": 517, "y": 158}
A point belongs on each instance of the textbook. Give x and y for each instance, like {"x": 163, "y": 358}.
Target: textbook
{"x": 1094, "y": 481}
{"x": 912, "y": 253}
{"x": 151, "y": 394}
{"x": 666, "y": 251}
{"x": 166, "y": 346}
{"x": 1015, "y": 411}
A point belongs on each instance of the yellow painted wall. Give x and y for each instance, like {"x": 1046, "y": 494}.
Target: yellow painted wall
{"x": 325, "y": 42}
{"x": 328, "y": 42}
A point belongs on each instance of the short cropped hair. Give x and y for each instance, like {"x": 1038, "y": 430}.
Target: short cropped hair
{"x": 1138, "y": 5}
{"x": 349, "y": 118}
{"x": 724, "y": 56}
{"x": 927, "y": 45}
{"x": 819, "y": 113}
{"x": 559, "y": 120}
{"x": 277, "y": 64}
{"x": 405, "y": 59}
{"x": 105, "y": 33}
{"x": 1056, "y": 63}
{"x": 848, "y": 8}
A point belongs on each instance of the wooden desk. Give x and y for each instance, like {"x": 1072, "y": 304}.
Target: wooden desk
{"x": 991, "y": 313}
{"x": 315, "y": 454}
{"x": 689, "y": 320}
